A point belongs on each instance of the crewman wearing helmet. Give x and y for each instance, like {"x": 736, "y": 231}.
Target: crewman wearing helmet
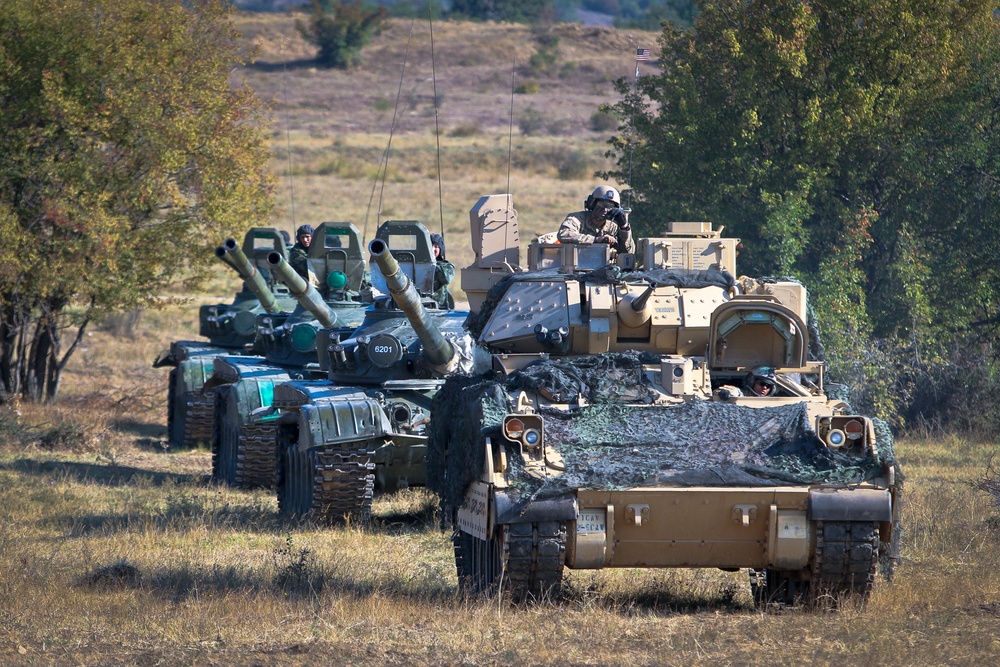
{"x": 760, "y": 381}
{"x": 602, "y": 221}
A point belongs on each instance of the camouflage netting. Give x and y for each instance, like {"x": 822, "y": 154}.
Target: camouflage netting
{"x": 620, "y": 441}
{"x": 608, "y": 275}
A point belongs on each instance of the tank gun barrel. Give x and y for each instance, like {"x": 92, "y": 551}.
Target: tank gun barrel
{"x": 307, "y": 295}
{"x": 231, "y": 253}
{"x": 438, "y": 350}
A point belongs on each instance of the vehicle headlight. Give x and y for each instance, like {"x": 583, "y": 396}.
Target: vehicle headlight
{"x": 304, "y": 337}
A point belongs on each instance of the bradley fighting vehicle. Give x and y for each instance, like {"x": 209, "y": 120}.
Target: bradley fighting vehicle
{"x": 615, "y": 432}
{"x": 229, "y": 328}
{"x": 365, "y": 427}
{"x": 243, "y": 451}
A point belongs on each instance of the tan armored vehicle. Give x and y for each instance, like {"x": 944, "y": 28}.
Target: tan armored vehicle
{"x": 620, "y": 428}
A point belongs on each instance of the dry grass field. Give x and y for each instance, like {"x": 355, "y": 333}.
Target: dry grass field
{"x": 115, "y": 550}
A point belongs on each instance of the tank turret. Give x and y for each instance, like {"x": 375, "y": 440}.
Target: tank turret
{"x": 230, "y": 253}
{"x": 437, "y": 350}
{"x": 307, "y": 295}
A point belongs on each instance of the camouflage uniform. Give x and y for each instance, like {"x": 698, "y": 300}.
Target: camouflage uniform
{"x": 444, "y": 273}
{"x": 580, "y": 227}
{"x": 298, "y": 257}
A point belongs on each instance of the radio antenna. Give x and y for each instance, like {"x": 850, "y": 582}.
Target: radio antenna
{"x": 392, "y": 128}
{"x": 437, "y": 128}
{"x": 288, "y": 144}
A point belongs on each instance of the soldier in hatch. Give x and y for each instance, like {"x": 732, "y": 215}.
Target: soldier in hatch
{"x": 298, "y": 255}
{"x": 603, "y": 221}
{"x": 443, "y": 274}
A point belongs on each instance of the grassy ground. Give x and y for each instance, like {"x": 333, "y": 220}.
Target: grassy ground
{"x": 115, "y": 550}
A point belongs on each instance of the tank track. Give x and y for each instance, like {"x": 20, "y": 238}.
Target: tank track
{"x": 846, "y": 560}
{"x": 243, "y": 455}
{"x": 529, "y": 557}
{"x": 255, "y": 456}
{"x": 199, "y": 422}
{"x": 845, "y": 563}
{"x": 535, "y": 555}
{"x": 327, "y": 484}
{"x": 175, "y": 437}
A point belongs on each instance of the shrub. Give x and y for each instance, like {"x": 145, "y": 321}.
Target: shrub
{"x": 531, "y": 121}
{"x": 574, "y": 166}
{"x": 603, "y": 121}
{"x": 527, "y": 88}
{"x": 340, "y": 30}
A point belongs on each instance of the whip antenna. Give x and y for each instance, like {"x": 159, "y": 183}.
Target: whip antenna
{"x": 640, "y": 56}
{"x": 437, "y": 128}
{"x": 384, "y": 164}
{"x": 288, "y": 143}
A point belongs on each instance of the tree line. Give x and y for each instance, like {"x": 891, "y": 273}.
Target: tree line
{"x": 855, "y": 146}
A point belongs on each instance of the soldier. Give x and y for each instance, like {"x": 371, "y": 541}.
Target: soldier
{"x": 603, "y": 221}
{"x": 760, "y": 381}
{"x": 443, "y": 274}
{"x": 299, "y": 253}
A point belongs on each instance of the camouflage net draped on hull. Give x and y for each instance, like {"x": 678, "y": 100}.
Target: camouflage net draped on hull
{"x": 619, "y": 441}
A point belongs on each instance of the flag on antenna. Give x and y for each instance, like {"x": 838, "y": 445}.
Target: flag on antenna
{"x": 642, "y": 54}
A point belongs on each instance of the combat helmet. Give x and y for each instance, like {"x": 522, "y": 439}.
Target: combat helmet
{"x": 763, "y": 374}
{"x": 603, "y": 192}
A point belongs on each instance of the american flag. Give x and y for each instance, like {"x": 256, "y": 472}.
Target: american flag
{"x": 641, "y": 54}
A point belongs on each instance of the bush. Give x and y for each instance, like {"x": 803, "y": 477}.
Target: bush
{"x": 527, "y": 88}
{"x": 574, "y": 166}
{"x": 531, "y": 122}
{"x": 340, "y": 30}
{"x": 603, "y": 121}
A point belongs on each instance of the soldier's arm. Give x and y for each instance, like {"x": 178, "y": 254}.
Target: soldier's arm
{"x": 569, "y": 231}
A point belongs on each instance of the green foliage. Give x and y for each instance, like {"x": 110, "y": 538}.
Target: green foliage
{"x": 575, "y": 165}
{"x": 544, "y": 60}
{"x": 650, "y": 14}
{"x": 341, "y": 29}
{"x": 515, "y": 11}
{"x": 127, "y": 155}
{"x": 527, "y": 88}
{"x": 855, "y": 145}
{"x": 603, "y": 120}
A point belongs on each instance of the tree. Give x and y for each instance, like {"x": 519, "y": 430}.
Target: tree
{"x": 125, "y": 156}
{"x": 341, "y": 29}
{"x": 851, "y": 143}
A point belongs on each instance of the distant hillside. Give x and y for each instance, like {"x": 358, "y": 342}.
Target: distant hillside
{"x": 645, "y": 14}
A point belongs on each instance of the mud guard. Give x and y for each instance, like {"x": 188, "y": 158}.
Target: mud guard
{"x": 506, "y": 511}
{"x": 850, "y": 505}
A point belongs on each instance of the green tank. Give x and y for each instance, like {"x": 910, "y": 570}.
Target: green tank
{"x": 621, "y": 425}
{"x": 365, "y": 427}
{"x": 243, "y": 449}
{"x": 227, "y": 329}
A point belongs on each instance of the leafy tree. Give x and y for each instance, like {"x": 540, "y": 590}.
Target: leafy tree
{"x": 125, "y": 156}
{"x": 341, "y": 29}
{"x": 853, "y": 143}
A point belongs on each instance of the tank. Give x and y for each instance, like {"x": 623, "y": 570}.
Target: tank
{"x": 243, "y": 449}
{"x": 227, "y": 329}
{"x": 365, "y": 427}
{"x": 618, "y": 427}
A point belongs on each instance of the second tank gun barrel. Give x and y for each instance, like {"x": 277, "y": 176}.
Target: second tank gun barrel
{"x": 437, "y": 349}
{"x": 307, "y": 295}
{"x": 231, "y": 253}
